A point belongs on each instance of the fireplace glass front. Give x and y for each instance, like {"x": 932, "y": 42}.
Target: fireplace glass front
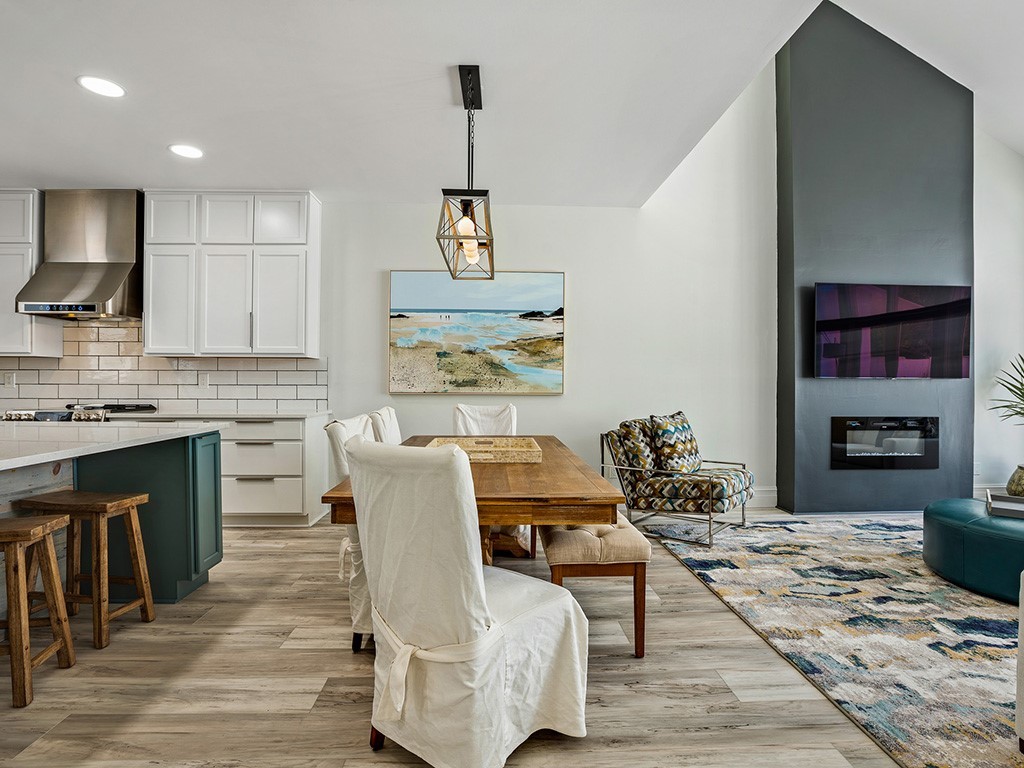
{"x": 885, "y": 442}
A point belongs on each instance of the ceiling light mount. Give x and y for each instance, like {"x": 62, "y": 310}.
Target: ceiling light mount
{"x": 464, "y": 228}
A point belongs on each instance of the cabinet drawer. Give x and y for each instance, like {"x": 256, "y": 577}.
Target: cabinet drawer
{"x": 261, "y": 458}
{"x": 262, "y": 494}
{"x": 263, "y": 429}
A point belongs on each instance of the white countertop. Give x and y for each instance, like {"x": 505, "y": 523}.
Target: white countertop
{"x": 220, "y": 415}
{"x": 23, "y": 444}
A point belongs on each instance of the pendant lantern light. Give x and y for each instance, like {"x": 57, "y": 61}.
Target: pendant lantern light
{"x": 464, "y": 228}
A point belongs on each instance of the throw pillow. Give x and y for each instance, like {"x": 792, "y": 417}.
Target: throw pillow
{"x": 637, "y": 444}
{"x": 675, "y": 447}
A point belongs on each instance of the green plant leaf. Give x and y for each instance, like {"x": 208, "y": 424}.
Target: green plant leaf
{"x": 1012, "y": 381}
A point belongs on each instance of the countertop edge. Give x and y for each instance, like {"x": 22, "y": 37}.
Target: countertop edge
{"x": 87, "y": 449}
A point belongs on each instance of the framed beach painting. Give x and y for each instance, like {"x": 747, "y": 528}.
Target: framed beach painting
{"x": 501, "y": 336}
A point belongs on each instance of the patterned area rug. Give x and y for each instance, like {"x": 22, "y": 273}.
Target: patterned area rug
{"x": 927, "y": 669}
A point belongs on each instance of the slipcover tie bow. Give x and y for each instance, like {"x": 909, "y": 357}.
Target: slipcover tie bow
{"x": 392, "y": 703}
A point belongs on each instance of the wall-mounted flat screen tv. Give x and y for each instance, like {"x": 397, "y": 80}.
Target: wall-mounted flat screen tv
{"x": 867, "y": 331}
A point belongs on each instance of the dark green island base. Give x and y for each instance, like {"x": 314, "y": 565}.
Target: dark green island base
{"x": 181, "y": 524}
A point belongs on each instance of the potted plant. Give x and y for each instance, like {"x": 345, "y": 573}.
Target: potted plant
{"x": 1011, "y": 407}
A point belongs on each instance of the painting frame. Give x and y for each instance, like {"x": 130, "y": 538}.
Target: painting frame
{"x": 467, "y": 359}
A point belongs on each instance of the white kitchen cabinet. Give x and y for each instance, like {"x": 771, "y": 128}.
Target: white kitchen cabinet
{"x": 280, "y": 219}
{"x": 279, "y": 300}
{"x": 274, "y": 467}
{"x": 17, "y": 216}
{"x": 262, "y": 300}
{"x": 225, "y": 300}
{"x": 227, "y": 218}
{"x": 169, "y": 300}
{"x": 171, "y": 218}
{"x": 20, "y": 254}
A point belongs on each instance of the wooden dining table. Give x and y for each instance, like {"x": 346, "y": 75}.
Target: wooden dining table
{"x": 561, "y": 489}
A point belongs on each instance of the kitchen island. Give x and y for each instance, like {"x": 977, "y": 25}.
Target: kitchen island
{"x": 177, "y": 465}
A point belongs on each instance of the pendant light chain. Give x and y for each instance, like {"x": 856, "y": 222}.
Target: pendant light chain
{"x": 471, "y": 127}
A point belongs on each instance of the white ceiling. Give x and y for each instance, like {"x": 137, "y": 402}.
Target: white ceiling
{"x": 586, "y": 102}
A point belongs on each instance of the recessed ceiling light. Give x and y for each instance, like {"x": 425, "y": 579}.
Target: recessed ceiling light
{"x": 186, "y": 150}
{"x": 100, "y": 86}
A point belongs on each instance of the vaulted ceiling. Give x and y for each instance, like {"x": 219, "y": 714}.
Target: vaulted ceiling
{"x": 586, "y": 102}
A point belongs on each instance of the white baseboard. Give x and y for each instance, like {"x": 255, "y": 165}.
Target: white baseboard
{"x": 766, "y": 497}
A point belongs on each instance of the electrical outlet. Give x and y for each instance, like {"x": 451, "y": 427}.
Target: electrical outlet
{"x": 9, "y": 379}
{"x": 204, "y": 378}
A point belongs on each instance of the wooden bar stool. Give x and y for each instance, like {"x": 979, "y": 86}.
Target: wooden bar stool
{"x": 98, "y": 508}
{"x": 20, "y": 536}
{"x": 602, "y": 550}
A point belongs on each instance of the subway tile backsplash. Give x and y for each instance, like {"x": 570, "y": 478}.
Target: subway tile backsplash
{"x": 103, "y": 362}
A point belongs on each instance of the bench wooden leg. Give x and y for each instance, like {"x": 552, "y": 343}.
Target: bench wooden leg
{"x": 73, "y": 565}
{"x": 140, "y": 570}
{"x": 533, "y": 541}
{"x": 100, "y": 583}
{"x": 17, "y": 624}
{"x": 556, "y": 575}
{"x": 639, "y": 608}
{"x": 46, "y": 556}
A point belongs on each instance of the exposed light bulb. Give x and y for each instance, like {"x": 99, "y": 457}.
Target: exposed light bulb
{"x": 465, "y": 226}
{"x": 473, "y": 257}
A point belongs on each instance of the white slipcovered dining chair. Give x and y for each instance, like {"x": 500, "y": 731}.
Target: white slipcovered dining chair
{"x": 494, "y": 420}
{"x": 385, "y": 425}
{"x": 338, "y": 432}
{"x": 484, "y": 419}
{"x": 471, "y": 659}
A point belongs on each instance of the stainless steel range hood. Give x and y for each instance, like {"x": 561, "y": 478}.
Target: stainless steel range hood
{"x": 92, "y": 256}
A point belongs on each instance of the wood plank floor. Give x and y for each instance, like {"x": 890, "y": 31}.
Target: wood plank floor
{"x": 254, "y": 670}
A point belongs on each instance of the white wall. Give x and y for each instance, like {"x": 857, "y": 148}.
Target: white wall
{"x": 998, "y": 306}
{"x": 667, "y": 307}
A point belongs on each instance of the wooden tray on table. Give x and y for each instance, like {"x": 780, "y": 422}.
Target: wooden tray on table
{"x": 495, "y": 450}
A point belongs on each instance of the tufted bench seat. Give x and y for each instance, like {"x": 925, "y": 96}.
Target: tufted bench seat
{"x": 602, "y": 550}
{"x": 967, "y": 546}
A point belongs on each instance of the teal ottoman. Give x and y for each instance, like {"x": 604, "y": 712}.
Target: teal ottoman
{"x": 967, "y": 546}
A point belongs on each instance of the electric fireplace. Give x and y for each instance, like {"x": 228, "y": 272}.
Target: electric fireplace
{"x": 885, "y": 442}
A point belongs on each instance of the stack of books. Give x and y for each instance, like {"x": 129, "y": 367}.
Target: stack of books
{"x": 1005, "y": 506}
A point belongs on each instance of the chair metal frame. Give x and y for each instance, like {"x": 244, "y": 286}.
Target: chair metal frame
{"x": 698, "y": 480}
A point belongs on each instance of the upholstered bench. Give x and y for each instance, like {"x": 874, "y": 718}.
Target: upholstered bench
{"x": 967, "y": 546}
{"x": 602, "y": 550}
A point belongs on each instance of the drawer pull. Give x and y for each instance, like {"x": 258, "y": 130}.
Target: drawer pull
{"x": 254, "y": 442}
{"x": 255, "y": 421}
{"x": 257, "y": 479}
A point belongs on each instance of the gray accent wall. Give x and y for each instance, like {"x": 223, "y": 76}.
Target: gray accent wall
{"x": 875, "y": 181}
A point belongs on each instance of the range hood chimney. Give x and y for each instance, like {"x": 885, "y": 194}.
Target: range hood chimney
{"x": 92, "y": 256}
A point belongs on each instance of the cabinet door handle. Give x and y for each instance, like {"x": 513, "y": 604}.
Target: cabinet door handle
{"x": 256, "y": 479}
{"x": 254, "y": 442}
{"x": 255, "y": 421}
{"x": 251, "y": 344}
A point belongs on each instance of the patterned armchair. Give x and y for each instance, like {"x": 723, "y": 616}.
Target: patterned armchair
{"x": 661, "y": 471}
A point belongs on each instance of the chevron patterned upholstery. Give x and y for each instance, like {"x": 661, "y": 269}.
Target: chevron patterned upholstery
{"x": 667, "y": 443}
{"x": 724, "y": 483}
{"x": 637, "y": 443}
{"x": 675, "y": 447}
{"x": 692, "y": 506}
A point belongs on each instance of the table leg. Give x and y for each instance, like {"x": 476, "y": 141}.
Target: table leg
{"x": 485, "y": 544}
